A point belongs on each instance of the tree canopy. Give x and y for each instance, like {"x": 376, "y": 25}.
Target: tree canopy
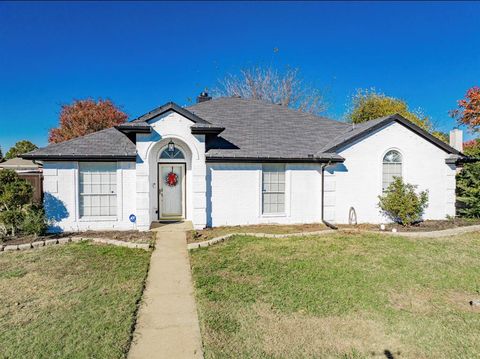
{"x": 20, "y": 148}
{"x": 368, "y": 105}
{"x": 468, "y": 182}
{"x": 285, "y": 88}
{"x": 468, "y": 110}
{"x": 86, "y": 116}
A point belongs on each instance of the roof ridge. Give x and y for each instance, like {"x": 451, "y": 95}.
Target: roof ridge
{"x": 266, "y": 103}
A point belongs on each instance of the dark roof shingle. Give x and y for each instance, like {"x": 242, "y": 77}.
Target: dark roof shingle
{"x": 109, "y": 144}
{"x": 257, "y": 129}
{"x": 237, "y": 129}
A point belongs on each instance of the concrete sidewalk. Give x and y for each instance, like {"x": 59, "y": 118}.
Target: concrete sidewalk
{"x": 167, "y": 324}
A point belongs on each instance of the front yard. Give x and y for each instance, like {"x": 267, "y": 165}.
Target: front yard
{"x": 339, "y": 296}
{"x": 70, "y": 301}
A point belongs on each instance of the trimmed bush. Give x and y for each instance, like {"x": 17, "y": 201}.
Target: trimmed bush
{"x": 402, "y": 204}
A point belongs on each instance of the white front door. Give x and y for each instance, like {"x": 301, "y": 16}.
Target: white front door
{"x": 171, "y": 185}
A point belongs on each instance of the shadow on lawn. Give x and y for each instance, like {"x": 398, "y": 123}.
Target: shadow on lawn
{"x": 387, "y": 353}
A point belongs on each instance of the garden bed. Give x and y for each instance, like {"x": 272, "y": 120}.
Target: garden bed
{"x": 425, "y": 226}
{"x": 126, "y": 236}
{"x": 210, "y": 233}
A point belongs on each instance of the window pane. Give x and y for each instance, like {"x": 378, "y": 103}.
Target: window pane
{"x": 176, "y": 154}
{"x": 97, "y": 186}
{"x": 392, "y": 157}
{"x": 392, "y": 167}
{"x": 273, "y": 187}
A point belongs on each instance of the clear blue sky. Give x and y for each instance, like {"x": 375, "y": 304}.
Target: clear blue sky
{"x": 142, "y": 55}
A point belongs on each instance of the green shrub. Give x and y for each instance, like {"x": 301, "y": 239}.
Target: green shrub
{"x": 12, "y": 219}
{"x": 15, "y": 198}
{"x": 468, "y": 191}
{"x": 34, "y": 221}
{"x": 468, "y": 183}
{"x": 402, "y": 204}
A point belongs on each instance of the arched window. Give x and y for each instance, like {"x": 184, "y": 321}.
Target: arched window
{"x": 392, "y": 167}
{"x": 176, "y": 154}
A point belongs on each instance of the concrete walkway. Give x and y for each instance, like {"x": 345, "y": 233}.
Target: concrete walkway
{"x": 167, "y": 324}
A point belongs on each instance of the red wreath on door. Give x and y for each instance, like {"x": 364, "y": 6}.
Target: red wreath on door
{"x": 171, "y": 179}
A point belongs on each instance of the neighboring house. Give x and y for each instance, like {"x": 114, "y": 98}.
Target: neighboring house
{"x": 28, "y": 170}
{"x": 234, "y": 161}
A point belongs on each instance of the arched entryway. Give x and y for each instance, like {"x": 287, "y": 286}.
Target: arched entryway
{"x": 172, "y": 167}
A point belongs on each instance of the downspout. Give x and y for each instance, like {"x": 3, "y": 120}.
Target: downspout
{"x": 328, "y": 224}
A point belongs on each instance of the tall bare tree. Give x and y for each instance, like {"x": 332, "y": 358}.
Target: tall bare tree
{"x": 285, "y": 88}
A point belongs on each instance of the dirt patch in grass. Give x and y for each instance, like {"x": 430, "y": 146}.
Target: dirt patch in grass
{"x": 73, "y": 301}
{"x": 127, "y": 236}
{"x": 300, "y": 335}
{"x": 413, "y": 301}
{"x": 209, "y": 233}
{"x": 425, "y": 226}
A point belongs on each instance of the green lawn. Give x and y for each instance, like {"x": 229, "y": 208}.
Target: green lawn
{"x": 70, "y": 301}
{"x": 339, "y": 296}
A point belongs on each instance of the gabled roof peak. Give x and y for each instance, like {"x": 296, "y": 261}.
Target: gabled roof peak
{"x": 170, "y": 106}
{"x": 365, "y": 128}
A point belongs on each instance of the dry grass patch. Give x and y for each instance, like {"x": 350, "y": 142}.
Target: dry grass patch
{"x": 301, "y": 335}
{"x": 339, "y": 296}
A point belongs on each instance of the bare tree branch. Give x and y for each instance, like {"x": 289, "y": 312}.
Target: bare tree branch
{"x": 267, "y": 84}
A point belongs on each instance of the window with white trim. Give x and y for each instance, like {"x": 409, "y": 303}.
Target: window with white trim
{"x": 273, "y": 188}
{"x": 176, "y": 154}
{"x": 392, "y": 167}
{"x": 98, "y": 189}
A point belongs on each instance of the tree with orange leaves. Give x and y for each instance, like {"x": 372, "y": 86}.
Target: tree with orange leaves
{"x": 468, "y": 111}
{"x": 86, "y": 116}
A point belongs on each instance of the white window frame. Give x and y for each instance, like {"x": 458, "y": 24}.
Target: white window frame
{"x": 116, "y": 194}
{"x": 401, "y": 165}
{"x": 263, "y": 192}
{"x": 172, "y": 159}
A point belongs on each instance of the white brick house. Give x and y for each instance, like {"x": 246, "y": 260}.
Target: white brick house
{"x": 233, "y": 161}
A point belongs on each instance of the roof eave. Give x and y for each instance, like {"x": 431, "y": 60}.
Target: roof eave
{"x": 318, "y": 159}
{"x": 133, "y": 129}
{"x": 45, "y": 157}
{"x": 206, "y": 130}
{"x": 459, "y": 160}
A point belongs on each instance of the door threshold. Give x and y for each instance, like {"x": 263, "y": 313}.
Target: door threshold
{"x": 167, "y": 221}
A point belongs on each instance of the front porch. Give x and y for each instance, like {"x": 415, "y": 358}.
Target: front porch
{"x": 170, "y": 173}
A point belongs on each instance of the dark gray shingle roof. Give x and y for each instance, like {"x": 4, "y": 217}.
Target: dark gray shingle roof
{"x": 257, "y": 129}
{"x": 254, "y": 130}
{"x": 109, "y": 143}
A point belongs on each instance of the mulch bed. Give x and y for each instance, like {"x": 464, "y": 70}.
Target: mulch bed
{"x": 210, "y": 233}
{"x": 425, "y": 226}
{"x": 126, "y": 236}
